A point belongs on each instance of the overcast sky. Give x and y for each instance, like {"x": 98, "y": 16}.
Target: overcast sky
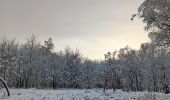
{"x": 93, "y": 26}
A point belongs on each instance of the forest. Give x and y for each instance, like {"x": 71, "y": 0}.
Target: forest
{"x": 33, "y": 65}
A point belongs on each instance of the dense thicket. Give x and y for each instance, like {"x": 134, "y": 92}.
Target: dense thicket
{"x": 35, "y": 65}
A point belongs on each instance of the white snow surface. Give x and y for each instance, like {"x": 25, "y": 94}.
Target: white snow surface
{"x": 79, "y": 94}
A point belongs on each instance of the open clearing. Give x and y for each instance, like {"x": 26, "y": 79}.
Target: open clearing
{"x": 83, "y": 94}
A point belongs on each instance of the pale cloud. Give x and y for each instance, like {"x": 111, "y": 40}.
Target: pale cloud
{"x": 93, "y": 26}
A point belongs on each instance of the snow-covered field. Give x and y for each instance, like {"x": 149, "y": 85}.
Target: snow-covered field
{"x": 72, "y": 94}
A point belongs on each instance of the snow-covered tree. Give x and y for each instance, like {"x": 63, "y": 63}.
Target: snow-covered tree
{"x": 156, "y": 15}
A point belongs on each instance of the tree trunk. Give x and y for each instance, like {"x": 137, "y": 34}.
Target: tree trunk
{"x": 105, "y": 85}
{"x": 6, "y": 87}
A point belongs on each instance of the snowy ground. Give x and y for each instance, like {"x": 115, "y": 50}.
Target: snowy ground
{"x": 68, "y": 94}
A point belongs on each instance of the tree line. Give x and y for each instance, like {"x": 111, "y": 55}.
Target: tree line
{"x": 33, "y": 65}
